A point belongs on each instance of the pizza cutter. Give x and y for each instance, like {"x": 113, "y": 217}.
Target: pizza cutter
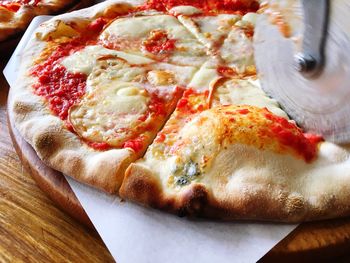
{"x": 307, "y": 69}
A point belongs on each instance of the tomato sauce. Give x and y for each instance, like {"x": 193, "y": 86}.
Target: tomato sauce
{"x": 193, "y": 102}
{"x": 159, "y": 43}
{"x": 158, "y": 106}
{"x": 60, "y": 88}
{"x": 160, "y": 138}
{"x": 97, "y": 25}
{"x": 290, "y": 135}
{"x": 243, "y": 111}
{"x": 136, "y": 144}
{"x": 209, "y": 7}
{"x": 226, "y": 71}
{"x": 100, "y": 146}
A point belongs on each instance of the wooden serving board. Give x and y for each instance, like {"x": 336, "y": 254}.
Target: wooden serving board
{"x": 309, "y": 242}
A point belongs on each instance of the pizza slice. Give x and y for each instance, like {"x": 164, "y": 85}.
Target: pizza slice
{"x": 235, "y": 161}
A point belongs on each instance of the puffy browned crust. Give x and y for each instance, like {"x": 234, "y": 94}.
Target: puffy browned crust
{"x": 54, "y": 144}
{"x": 140, "y": 185}
{"x": 12, "y": 23}
{"x": 259, "y": 203}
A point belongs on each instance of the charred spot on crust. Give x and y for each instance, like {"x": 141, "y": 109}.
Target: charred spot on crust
{"x": 44, "y": 141}
{"x": 49, "y": 141}
{"x": 140, "y": 187}
{"x": 193, "y": 202}
{"x": 22, "y": 107}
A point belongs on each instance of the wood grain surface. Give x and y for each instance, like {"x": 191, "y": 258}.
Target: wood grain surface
{"x": 32, "y": 227}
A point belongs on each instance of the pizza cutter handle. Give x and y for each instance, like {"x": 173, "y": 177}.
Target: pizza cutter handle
{"x": 310, "y": 61}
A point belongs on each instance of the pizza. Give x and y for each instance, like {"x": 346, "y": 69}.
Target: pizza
{"x": 159, "y": 102}
{"x": 15, "y": 15}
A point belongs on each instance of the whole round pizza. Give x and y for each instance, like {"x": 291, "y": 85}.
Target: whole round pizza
{"x": 159, "y": 102}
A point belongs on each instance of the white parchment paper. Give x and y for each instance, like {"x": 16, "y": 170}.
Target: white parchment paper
{"x": 136, "y": 234}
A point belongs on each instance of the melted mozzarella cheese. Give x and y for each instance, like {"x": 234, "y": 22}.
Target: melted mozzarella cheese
{"x": 110, "y": 112}
{"x": 182, "y": 74}
{"x": 250, "y": 18}
{"x": 210, "y": 30}
{"x": 204, "y": 77}
{"x": 185, "y": 10}
{"x": 237, "y": 50}
{"x": 140, "y": 27}
{"x": 114, "y": 69}
{"x": 116, "y": 98}
{"x": 84, "y": 60}
{"x": 246, "y": 92}
{"x": 130, "y": 33}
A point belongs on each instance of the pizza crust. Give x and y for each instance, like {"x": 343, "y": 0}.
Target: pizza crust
{"x": 54, "y": 144}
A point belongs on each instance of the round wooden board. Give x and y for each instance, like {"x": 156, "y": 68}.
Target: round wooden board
{"x": 309, "y": 242}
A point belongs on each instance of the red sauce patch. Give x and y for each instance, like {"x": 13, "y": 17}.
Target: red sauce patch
{"x": 97, "y": 25}
{"x": 192, "y": 102}
{"x": 135, "y": 144}
{"x": 243, "y": 111}
{"x": 154, "y": 4}
{"x": 160, "y": 138}
{"x": 157, "y": 106}
{"x": 59, "y": 87}
{"x": 249, "y": 31}
{"x": 229, "y": 6}
{"x": 100, "y": 146}
{"x": 159, "y": 43}
{"x": 226, "y": 71}
{"x": 290, "y": 135}
{"x": 314, "y": 138}
{"x": 182, "y": 103}
{"x": 13, "y": 7}
{"x": 207, "y": 6}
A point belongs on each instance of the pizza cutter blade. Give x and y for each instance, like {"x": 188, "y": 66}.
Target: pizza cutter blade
{"x": 317, "y": 99}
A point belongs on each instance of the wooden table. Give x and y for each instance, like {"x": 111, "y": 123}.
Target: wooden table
{"x": 32, "y": 228}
